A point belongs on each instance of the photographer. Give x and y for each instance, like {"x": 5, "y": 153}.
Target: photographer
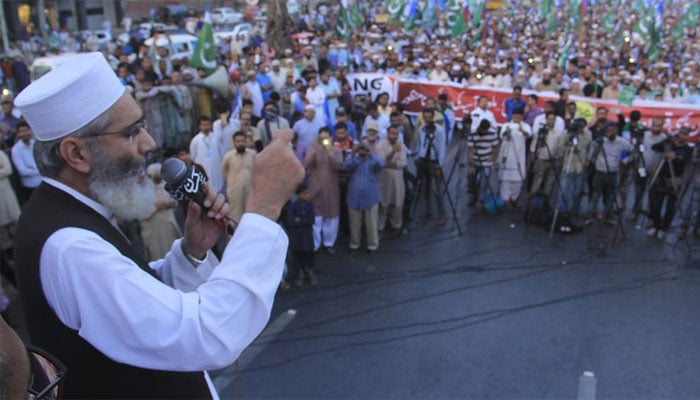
{"x": 577, "y": 140}
{"x": 545, "y": 150}
{"x": 431, "y": 152}
{"x": 606, "y": 153}
{"x": 666, "y": 187}
{"x": 482, "y": 112}
{"x": 512, "y": 170}
{"x": 630, "y": 168}
{"x": 482, "y": 149}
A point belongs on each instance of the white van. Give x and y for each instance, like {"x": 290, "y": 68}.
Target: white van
{"x": 181, "y": 45}
{"x": 42, "y": 65}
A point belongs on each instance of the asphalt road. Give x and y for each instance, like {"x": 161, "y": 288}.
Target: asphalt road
{"x": 501, "y": 312}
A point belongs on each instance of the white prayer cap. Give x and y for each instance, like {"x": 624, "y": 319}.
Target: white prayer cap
{"x": 69, "y": 97}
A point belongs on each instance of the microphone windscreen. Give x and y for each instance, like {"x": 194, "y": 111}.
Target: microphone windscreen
{"x": 173, "y": 170}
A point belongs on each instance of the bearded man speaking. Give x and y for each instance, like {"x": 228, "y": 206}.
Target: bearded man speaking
{"x": 125, "y": 328}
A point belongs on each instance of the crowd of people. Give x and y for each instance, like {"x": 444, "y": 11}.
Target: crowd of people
{"x": 355, "y": 148}
{"x": 367, "y": 162}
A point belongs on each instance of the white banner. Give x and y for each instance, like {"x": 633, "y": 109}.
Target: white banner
{"x": 372, "y": 84}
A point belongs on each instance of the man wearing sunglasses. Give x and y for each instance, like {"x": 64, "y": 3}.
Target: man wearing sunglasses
{"x": 125, "y": 328}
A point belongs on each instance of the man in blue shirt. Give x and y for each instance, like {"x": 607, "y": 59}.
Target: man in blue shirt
{"x": 264, "y": 81}
{"x": 363, "y": 196}
{"x": 513, "y": 103}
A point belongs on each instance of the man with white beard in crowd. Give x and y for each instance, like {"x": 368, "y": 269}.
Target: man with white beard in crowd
{"x": 513, "y": 157}
{"x": 123, "y": 326}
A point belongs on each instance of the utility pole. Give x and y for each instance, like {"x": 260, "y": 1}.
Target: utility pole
{"x": 3, "y": 27}
{"x": 42, "y": 21}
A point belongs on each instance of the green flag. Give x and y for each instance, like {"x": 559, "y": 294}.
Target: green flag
{"x": 561, "y": 62}
{"x": 478, "y": 12}
{"x": 204, "y": 55}
{"x": 356, "y": 18}
{"x": 690, "y": 18}
{"x": 343, "y": 23}
{"x": 459, "y": 26}
{"x": 394, "y": 8}
{"x": 627, "y": 95}
{"x": 609, "y": 21}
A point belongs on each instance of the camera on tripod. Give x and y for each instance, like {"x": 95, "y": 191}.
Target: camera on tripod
{"x": 430, "y": 131}
{"x": 543, "y": 131}
{"x": 598, "y": 132}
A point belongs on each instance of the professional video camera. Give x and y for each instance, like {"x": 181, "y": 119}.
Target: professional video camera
{"x": 598, "y": 131}
{"x": 637, "y": 132}
{"x": 430, "y": 131}
{"x": 576, "y": 125}
{"x": 543, "y": 131}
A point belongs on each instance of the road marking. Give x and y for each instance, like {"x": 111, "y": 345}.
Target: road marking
{"x": 228, "y": 374}
{"x": 587, "y": 383}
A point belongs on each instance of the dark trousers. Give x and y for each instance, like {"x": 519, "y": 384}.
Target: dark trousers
{"x": 657, "y": 194}
{"x": 302, "y": 260}
{"x": 429, "y": 174}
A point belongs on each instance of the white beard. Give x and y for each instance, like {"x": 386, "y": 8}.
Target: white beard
{"x": 116, "y": 186}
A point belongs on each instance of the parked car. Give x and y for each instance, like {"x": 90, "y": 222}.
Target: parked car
{"x": 103, "y": 37}
{"x": 225, "y": 16}
{"x": 172, "y": 13}
{"x": 43, "y": 65}
{"x": 240, "y": 29}
{"x": 181, "y": 45}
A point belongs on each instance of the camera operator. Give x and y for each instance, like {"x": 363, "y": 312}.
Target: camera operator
{"x": 541, "y": 119}
{"x": 666, "y": 187}
{"x": 608, "y": 152}
{"x": 634, "y": 168}
{"x": 598, "y": 126}
{"x": 431, "y": 152}
{"x": 482, "y": 149}
{"x": 545, "y": 149}
{"x": 578, "y": 141}
{"x": 512, "y": 170}
{"x": 480, "y": 113}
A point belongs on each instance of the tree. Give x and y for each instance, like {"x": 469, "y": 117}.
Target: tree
{"x": 279, "y": 26}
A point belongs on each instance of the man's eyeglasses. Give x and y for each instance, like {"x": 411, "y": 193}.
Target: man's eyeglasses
{"x": 46, "y": 375}
{"x": 130, "y": 132}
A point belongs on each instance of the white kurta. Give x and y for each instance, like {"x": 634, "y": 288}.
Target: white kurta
{"x": 513, "y": 152}
{"x": 9, "y": 207}
{"x": 205, "y": 151}
{"x": 317, "y": 98}
{"x": 196, "y": 319}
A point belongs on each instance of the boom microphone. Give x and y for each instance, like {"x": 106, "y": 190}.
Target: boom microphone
{"x": 185, "y": 183}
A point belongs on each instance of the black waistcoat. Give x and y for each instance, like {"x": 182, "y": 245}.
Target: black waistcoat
{"x": 91, "y": 374}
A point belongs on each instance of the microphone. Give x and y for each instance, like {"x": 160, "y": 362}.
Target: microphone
{"x": 186, "y": 183}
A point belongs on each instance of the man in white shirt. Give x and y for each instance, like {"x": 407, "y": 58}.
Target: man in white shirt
{"x": 317, "y": 98}
{"x": 482, "y": 112}
{"x": 307, "y": 128}
{"x": 23, "y": 158}
{"x": 121, "y": 326}
{"x": 205, "y": 150}
{"x": 277, "y": 76}
{"x": 541, "y": 120}
{"x": 373, "y": 115}
{"x": 253, "y": 91}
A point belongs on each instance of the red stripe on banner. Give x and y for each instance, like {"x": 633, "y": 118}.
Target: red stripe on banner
{"x": 414, "y": 94}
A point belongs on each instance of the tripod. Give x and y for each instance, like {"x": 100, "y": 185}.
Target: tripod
{"x": 459, "y": 162}
{"x": 569, "y": 157}
{"x": 431, "y": 168}
{"x": 542, "y": 143}
{"x": 600, "y": 149}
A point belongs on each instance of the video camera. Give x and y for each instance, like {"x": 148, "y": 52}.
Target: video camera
{"x": 430, "y": 131}
{"x": 543, "y": 131}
